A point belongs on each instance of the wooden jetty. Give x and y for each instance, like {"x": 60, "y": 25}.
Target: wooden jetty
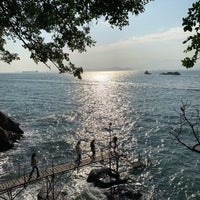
{"x": 23, "y": 181}
{"x": 53, "y": 170}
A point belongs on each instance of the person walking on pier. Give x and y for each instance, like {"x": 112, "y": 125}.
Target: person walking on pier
{"x": 92, "y": 146}
{"x": 34, "y": 166}
{"x": 78, "y": 152}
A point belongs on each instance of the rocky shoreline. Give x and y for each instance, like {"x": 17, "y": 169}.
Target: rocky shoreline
{"x": 10, "y": 132}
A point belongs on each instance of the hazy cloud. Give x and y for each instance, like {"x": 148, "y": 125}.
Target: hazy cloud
{"x": 153, "y": 49}
{"x": 173, "y": 34}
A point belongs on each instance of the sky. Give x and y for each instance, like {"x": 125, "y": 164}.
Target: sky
{"x": 152, "y": 41}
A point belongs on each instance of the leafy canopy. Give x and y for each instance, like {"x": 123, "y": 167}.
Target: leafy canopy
{"x": 192, "y": 24}
{"x": 67, "y": 22}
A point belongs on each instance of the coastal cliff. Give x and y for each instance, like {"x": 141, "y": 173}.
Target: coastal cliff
{"x": 10, "y": 132}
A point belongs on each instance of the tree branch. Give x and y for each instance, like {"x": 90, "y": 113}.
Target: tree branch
{"x": 181, "y": 135}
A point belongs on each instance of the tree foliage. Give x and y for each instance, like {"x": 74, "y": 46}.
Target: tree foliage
{"x": 67, "y": 22}
{"x": 191, "y": 23}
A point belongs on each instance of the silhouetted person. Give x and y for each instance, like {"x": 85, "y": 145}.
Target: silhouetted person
{"x": 113, "y": 143}
{"x": 34, "y": 166}
{"x": 92, "y": 146}
{"x": 78, "y": 152}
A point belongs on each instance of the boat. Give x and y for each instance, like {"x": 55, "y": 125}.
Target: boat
{"x": 147, "y": 72}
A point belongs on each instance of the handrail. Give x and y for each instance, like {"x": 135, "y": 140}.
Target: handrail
{"x": 23, "y": 180}
{"x": 26, "y": 167}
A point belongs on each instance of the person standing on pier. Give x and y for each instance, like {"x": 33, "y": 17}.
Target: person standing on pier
{"x": 34, "y": 166}
{"x": 78, "y": 152}
{"x": 92, "y": 146}
{"x": 113, "y": 144}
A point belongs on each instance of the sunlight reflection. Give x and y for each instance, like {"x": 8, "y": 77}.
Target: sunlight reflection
{"x": 103, "y": 76}
{"x": 102, "y": 103}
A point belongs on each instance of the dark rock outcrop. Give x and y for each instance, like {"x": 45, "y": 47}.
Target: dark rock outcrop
{"x": 96, "y": 177}
{"x": 106, "y": 178}
{"x": 9, "y": 132}
{"x": 5, "y": 142}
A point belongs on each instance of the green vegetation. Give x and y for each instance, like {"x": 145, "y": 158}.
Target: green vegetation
{"x": 67, "y": 24}
{"x": 192, "y": 24}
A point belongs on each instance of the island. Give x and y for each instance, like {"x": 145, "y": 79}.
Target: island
{"x": 170, "y": 73}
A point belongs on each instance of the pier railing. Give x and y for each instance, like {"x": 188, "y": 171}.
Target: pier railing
{"x": 21, "y": 177}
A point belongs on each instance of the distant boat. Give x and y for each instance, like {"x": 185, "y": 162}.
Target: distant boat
{"x": 30, "y": 71}
{"x": 147, "y": 72}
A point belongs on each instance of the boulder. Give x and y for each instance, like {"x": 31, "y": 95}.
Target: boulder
{"x": 9, "y": 132}
{"x": 9, "y": 125}
{"x": 99, "y": 178}
{"x": 5, "y": 142}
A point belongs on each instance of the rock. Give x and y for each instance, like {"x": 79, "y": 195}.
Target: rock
{"x": 98, "y": 178}
{"x": 106, "y": 178}
{"x": 123, "y": 193}
{"x": 47, "y": 195}
{"x": 9, "y": 132}
{"x": 9, "y": 125}
{"x": 100, "y": 173}
{"x": 5, "y": 143}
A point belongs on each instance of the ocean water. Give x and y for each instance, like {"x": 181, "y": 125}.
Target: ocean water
{"x": 55, "y": 111}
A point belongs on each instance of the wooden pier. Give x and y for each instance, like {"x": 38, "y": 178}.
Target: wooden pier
{"x": 23, "y": 181}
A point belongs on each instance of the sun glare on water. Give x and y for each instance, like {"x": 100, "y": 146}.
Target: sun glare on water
{"x": 103, "y": 76}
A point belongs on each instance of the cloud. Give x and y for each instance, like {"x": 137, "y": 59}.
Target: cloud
{"x": 156, "y": 50}
{"x": 173, "y": 34}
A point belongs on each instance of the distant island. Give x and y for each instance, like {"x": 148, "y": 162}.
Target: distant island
{"x": 170, "y": 73}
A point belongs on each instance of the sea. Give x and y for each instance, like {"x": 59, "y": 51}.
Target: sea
{"x": 56, "y": 110}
